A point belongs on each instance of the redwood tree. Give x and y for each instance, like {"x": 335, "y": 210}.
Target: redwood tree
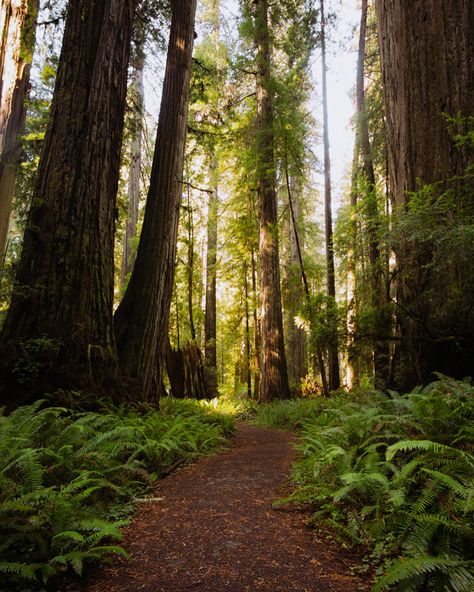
{"x": 61, "y": 310}
{"x": 141, "y": 321}
{"x": 17, "y": 28}
{"x": 274, "y": 374}
{"x": 333, "y": 355}
{"x": 427, "y": 54}
{"x": 378, "y": 290}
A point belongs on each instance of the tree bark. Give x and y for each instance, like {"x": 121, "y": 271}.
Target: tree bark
{"x": 378, "y": 296}
{"x": 64, "y": 286}
{"x": 17, "y": 28}
{"x": 133, "y": 192}
{"x": 296, "y": 336}
{"x": 141, "y": 321}
{"x": 352, "y": 371}
{"x": 210, "y": 321}
{"x": 274, "y": 375}
{"x": 333, "y": 353}
{"x": 427, "y": 56}
{"x": 257, "y": 339}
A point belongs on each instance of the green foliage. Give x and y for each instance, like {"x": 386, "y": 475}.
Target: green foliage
{"x": 395, "y": 474}
{"x": 67, "y": 479}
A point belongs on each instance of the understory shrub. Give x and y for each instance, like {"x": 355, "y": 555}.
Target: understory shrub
{"x": 67, "y": 479}
{"x": 396, "y": 474}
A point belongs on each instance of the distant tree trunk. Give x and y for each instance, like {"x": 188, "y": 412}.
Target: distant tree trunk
{"x": 133, "y": 193}
{"x": 296, "y": 337}
{"x": 427, "y": 56}
{"x": 257, "y": 340}
{"x": 64, "y": 287}
{"x": 17, "y": 28}
{"x": 190, "y": 265}
{"x": 247, "y": 333}
{"x": 186, "y": 371}
{"x": 333, "y": 354}
{"x": 352, "y": 372}
{"x": 210, "y": 321}
{"x": 274, "y": 375}
{"x": 381, "y": 352}
{"x": 319, "y": 362}
{"x": 141, "y": 321}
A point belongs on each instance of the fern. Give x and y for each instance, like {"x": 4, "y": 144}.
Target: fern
{"x": 397, "y": 474}
{"x": 63, "y": 476}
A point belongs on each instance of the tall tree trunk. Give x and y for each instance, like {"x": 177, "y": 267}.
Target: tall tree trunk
{"x": 427, "y": 56}
{"x": 133, "y": 192}
{"x": 381, "y": 352}
{"x": 210, "y": 321}
{"x": 190, "y": 266}
{"x": 247, "y": 333}
{"x": 62, "y": 300}
{"x": 319, "y": 356}
{"x": 17, "y": 28}
{"x": 257, "y": 340}
{"x": 274, "y": 375}
{"x": 352, "y": 371}
{"x": 333, "y": 355}
{"x": 296, "y": 336}
{"x": 141, "y": 321}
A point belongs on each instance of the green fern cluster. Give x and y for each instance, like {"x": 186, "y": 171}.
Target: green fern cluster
{"x": 65, "y": 479}
{"x": 397, "y": 475}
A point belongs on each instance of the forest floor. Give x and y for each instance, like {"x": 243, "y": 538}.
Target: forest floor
{"x": 211, "y": 527}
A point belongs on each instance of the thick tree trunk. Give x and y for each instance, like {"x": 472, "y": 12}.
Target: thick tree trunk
{"x": 210, "y": 321}
{"x": 333, "y": 354}
{"x": 63, "y": 295}
{"x": 141, "y": 320}
{"x": 133, "y": 192}
{"x": 17, "y": 29}
{"x": 274, "y": 375}
{"x": 427, "y": 54}
{"x": 381, "y": 351}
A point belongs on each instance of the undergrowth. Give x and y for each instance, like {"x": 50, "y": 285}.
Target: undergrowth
{"x": 395, "y": 474}
{"x": 68, "y": 480}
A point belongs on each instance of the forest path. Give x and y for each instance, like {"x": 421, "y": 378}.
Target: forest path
{"x": 213, "y": 529}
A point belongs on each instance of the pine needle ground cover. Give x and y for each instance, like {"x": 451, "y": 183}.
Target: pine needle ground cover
{"x": 395, "y": 474}
{"x": 68, "y": 480}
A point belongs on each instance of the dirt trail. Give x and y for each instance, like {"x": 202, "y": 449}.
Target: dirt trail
{"x": 214, "y": 530}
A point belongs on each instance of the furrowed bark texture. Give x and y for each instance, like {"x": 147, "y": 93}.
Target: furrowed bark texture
{"x": 64, "y": 285}
{"x": 333, "y": 355}
{"x": 427, "y": 53}
{"x": 274, "y": 374}
{"x": 141, "y": 321}
{"x": 17, "y": 30}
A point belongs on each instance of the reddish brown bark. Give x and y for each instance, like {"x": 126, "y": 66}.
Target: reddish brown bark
{"x": 141, "y": 321}
{"x": 274, "y": 375}
{"x": 64, "y": 286}
{"x": 427, "y": 54}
